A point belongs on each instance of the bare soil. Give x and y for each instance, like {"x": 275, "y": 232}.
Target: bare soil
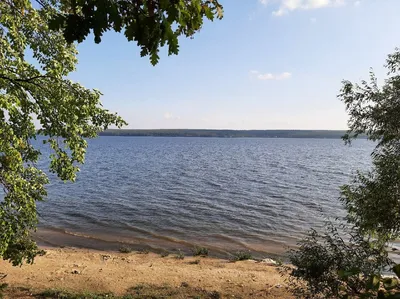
{"x": 142, "y": 275}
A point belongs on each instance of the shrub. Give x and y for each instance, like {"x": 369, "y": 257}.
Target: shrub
{"x": 164, "y": 254}
{"x": 125, "y": 249}
{"x": 241, "y": 256}
{"x": 180, "y": 255}
{"x": 327, "y": 266}
{"x": 143, "y": 251}
{"x": 200, "y": 251}
{"x": 3, "y": 286}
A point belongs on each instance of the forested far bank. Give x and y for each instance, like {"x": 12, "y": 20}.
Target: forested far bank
{"x": 332, "y": 134}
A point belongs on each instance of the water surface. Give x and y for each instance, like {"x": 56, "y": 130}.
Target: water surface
{"x": 225, "y": 193}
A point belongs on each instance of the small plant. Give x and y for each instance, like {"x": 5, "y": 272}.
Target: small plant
{"x": 279, "y": 262}
{"x": 137, "y": 289}
{"x": 125, "y": 249}
{"x": 241, "y": 256}
{"x": 143, "y": 251}
{"x": 60, "y": 294}
{"x": 164, "y": 254}
{"x": 195, "y": 262}
{"x": 180, "y": 255}
{"x": 200, "y": 251}
{"x": 3, "y": 286}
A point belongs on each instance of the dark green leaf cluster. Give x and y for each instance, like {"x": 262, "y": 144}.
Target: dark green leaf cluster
{"x": 373, "y": 199}
{"x": 200, "y": 251}
{"x": 150, "y": 23}
{"x": 335, "y": 263}
{"x": 374, "y": 110}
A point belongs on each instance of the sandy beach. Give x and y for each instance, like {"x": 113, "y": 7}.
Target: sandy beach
{"x": 89, "y": 271}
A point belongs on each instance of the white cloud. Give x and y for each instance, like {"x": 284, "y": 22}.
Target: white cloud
{"x": 286, "y": 6}
{"x": 269, "y": 76}
{"x": 357, "y": 3}
{"x": 169, "y": 115}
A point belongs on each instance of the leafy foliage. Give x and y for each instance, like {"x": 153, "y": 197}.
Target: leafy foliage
{"x": 180, "y": 255}
{"x": 200, "y": 251}
{"x": 373, "y": 199}
{"x": 241, "y": 256}
{"x": 36, "y": 96}
{"x": 125, "y": 249}
{"x": 335, "y": 263}
{"x": 329, "y": 266}
{"x": 150, "y": 23}
{"x": 38, "y": 93}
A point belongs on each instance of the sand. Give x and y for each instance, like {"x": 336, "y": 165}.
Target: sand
{"x": 83, "y": 270}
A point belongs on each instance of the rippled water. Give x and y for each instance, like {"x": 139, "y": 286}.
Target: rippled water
{"x": 227, "y": 194}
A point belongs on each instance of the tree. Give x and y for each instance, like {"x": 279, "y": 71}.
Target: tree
{"x": 37, "y": 90}
{"x": 373, "y": 199}
{"x": 350, "y": 265}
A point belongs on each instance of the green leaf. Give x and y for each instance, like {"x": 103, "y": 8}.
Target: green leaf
{"x": 373, "y": 282}
{"x": 141, "y": 22}
{"x": 66, "y": 111}
{"x": 390, "y": 283}
{"x": 396, "y": 270}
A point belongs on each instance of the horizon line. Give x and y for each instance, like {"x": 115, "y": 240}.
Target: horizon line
{"x": 122, "y": 129}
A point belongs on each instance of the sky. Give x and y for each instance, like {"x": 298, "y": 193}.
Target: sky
{"x": 269, "y": 64}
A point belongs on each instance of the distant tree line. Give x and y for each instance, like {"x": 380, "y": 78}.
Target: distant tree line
{"x": 331, "y": 134}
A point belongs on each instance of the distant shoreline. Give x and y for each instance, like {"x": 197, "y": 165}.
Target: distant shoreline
{"x": 320, "y": 134}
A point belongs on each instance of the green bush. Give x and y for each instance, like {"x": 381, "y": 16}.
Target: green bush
{"x": 180, "y": 255}
{"x": 200, "y": 251}
{"x": 349, "y": 264}
{"x": 241, "y": 256}
{"x": 328, "y": 266}
{"x": 143, "y": 251}
{"x": 125, "y": 249}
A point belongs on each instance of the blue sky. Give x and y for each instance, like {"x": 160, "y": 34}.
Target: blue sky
{"x": 269, "y": 64}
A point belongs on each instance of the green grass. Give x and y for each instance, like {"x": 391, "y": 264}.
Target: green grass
{"x": 3, "y": 286}
{"x": 139, "y": 291}
{"x": 60, "y": 294}
{"x": 241, "y": 256}
{"x": 200, "y": 251}
{"x": 168, "y": 292}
